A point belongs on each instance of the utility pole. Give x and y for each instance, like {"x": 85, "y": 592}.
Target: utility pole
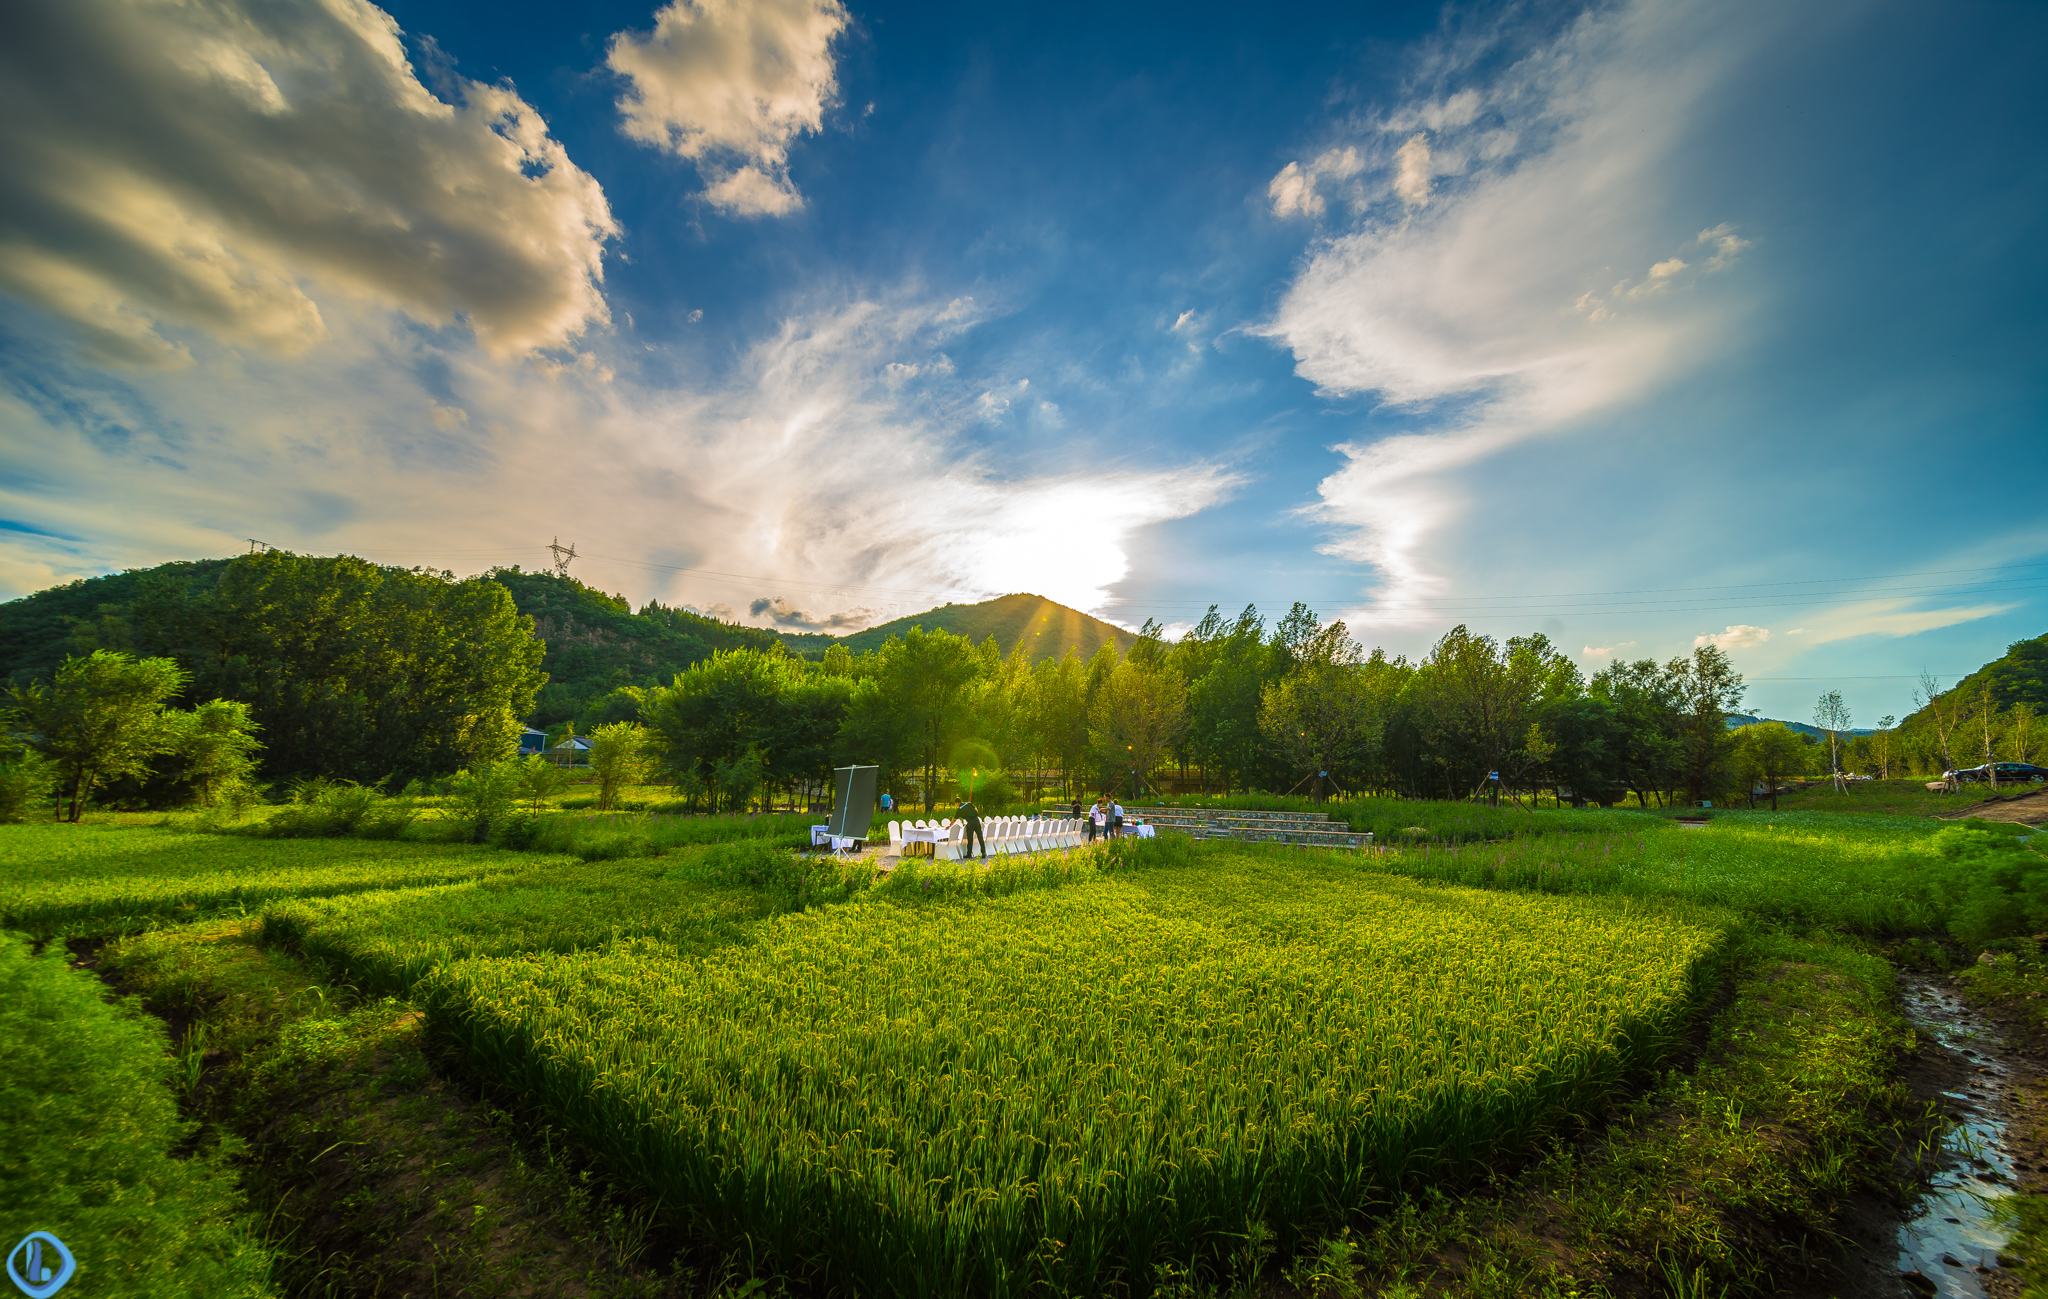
{"x": 563, "y": 554}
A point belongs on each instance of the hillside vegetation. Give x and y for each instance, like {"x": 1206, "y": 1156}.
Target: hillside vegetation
{"x": 597, "y": 644}
{"x": 1044, "y": 627}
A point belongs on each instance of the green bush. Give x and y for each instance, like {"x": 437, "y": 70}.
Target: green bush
{"x": 482, "y": 795}
{"x": 26, "y": 778}
{"x": 323, "y": 808}
{"x": 2002, "y": 887}
{"x": 87, "y": 1131}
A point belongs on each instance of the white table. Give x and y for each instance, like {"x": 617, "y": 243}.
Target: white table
{"x": 928, "y": 834}
{"x": 1147, "y": 832}
{"x": 822, "y": 837}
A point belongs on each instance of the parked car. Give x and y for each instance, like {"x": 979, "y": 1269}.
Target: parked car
{"x": 2009, "y": 773}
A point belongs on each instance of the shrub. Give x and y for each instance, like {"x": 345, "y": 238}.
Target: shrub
{"x": 480, "y": 796}
{"x": 322, "y": 808}
{"x": 26, "y": 779}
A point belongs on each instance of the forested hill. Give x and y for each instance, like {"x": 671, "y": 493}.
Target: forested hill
{"x": 597, "y": 644}
{"x": 38, "y": 632}
{"x": 2020, "y": 676}
{"x": 1050, "y": 630}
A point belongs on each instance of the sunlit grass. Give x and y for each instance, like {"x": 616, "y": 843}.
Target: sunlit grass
{"x": 1064, "y": 1084}
{"x": 111, "y": 877}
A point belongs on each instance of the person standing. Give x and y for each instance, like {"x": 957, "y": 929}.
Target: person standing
{"x": 1098, "y": 822}
{"x": 1116, "y": 820}
{"x": 970, "y": 816}
{"x": 888, "y": 803}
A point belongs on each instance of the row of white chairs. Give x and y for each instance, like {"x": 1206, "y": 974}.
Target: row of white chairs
{"x": 1005, "y": 834}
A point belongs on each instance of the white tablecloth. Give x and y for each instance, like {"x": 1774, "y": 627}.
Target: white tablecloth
{"x": 1147, "y": 832}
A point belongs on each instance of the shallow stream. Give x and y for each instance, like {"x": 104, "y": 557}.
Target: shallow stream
{"x": 1953, "y": 1235}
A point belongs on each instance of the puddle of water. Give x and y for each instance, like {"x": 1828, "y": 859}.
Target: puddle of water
{"x": 1954, "y": 1235}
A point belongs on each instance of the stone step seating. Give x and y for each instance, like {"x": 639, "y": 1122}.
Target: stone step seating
{"x": 1312, "y": 829}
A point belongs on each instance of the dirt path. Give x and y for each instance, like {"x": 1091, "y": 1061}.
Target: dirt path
{"x": 2030, "y": 808}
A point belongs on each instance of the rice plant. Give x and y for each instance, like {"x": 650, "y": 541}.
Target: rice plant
{"x": 1064, "y": 1087}
{"x": 60, "y": 879}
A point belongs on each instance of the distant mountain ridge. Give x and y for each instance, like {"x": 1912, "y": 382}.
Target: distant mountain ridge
{"x": 1736, "y": 720}
{"x": 1048, "y": 628}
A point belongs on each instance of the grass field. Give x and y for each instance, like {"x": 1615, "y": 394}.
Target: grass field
{"x": 384, "y": 941}
{"x": 89, "y": 1145}
{"x": 1062, "y": 1088}
{"x": 117, "y": 876}
{"x": 1084, "y": 1073}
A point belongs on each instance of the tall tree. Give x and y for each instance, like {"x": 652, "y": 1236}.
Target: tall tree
{"x": 1709, "y": 688}
{"x": 1059, "y": 717}
{"x": 1769, "y": 753}
{"x": 1477, "y": 699}
{"x": 2022, "y": 732}
{"x": 714, "y": 725}
{"x": 1944, "y": 714}
{"x": 102, "y": 718}
{"x": 917, "y": 703}
{"x": 1227, "y": 678}
{"x": 1327, "y": 713}
{"x": 359, "y": 671}
{"x": 1139, "y": 715}
{"x": 1881, "y": 747}
{"x": 1831, "y": 714}
{"x": 1648, "y": 699}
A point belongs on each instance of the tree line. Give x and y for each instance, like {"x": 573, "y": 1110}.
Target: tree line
{"x": 1234, "y": 704}
{"x": 338, "y": 669}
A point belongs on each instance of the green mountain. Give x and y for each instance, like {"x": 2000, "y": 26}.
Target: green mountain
{"x": 1050, "y": 630}
{"x": 596, "y": 643}
{"x": 38, "y": 632}
{"x": 2019, "y": 676}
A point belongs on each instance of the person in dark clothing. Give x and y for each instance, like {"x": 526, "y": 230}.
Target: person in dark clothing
{"x": 970, "y": 816}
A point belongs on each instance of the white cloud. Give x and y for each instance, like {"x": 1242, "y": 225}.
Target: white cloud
{"x": 1598, "y": 651}
{"x": 803, "y": 469}
{"x": 1412, "y": 174}
{"x": 730, "y": 85}
{"x": 1890, "y": 617}
{"x": 1296, "y": 190}
{"x": 1738, "y": 636}
{"x": 1471, "y": 302}
{"x": 233, "y": 167}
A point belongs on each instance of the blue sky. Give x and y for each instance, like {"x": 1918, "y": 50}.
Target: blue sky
{"x": 1634, "y": 324}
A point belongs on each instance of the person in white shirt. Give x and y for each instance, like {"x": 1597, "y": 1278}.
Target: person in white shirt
{"x": 1116, "y": 820}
